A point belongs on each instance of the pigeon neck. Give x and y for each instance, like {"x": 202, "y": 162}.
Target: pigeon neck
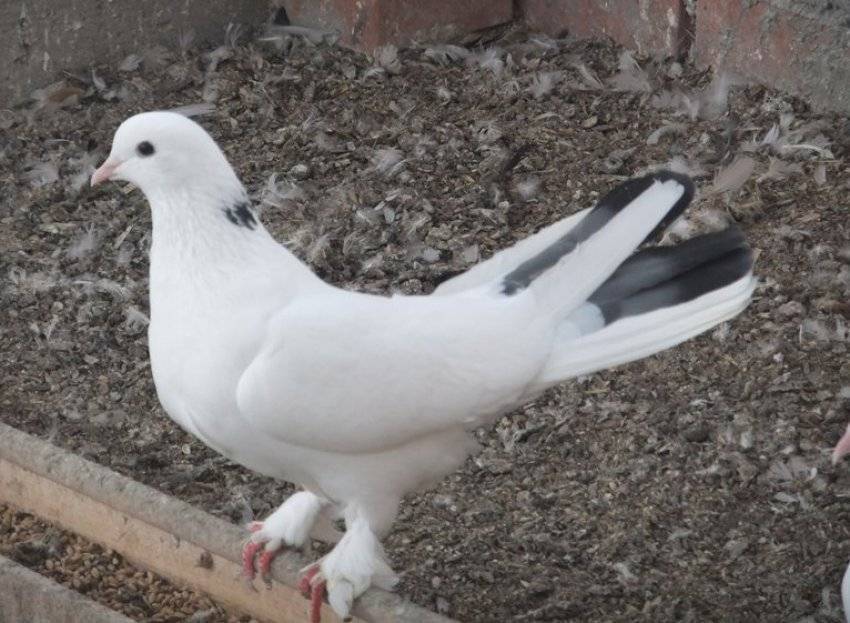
{"x": 195, "y": 230}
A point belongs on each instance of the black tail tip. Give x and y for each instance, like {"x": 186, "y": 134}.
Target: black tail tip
{"x": 665, "y": 175}
{"x": 689, "y": 190}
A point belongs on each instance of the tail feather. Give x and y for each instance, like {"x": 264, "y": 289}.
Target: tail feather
{"x": 655, "y": 265}
{"x": 563, "y": 276}
{"x": 658, "y": 298}
{"x": 685, "y": 287}
{"x": 638, "y": 336}
{"x": 506, "y": 260}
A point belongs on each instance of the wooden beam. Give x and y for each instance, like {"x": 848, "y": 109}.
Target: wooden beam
{"x": 165, "y": 535}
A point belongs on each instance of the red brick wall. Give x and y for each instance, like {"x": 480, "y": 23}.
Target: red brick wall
{"x": 367, "y": 24}
{"x": 649, "y": 26}
{"x": 802, "y": 46}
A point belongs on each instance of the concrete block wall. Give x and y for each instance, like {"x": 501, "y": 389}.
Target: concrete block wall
{"x": 39, "y": 39}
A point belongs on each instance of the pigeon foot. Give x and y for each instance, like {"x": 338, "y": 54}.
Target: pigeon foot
{"x": 312, "y": 586}
{"x": 288, "y": 526}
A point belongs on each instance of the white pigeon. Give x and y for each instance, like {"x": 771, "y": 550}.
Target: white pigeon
{"x": 361, "y": 399}
{"x": 845, "y": 594}
{"x": 841, "y": 449}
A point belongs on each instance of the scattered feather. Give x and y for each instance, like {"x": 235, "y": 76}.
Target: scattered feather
{"x": 84, "y": 244}
{"x": 588, "y": 76}
{"x": 510, "y": 88}
{"x": 820, "y": 174}
{"x": 85, "y": 165}
{"x": 156, "y": 56}
{"x": 630, "y": 77}
{"x": 527, "y": 188}
{"x": 664, "y": 130}
{"x": 818, "y": 146}
{"x": 489, "y": 59}
{"x": 732, "y": 177}
{"x": 280, "y": 35}
{"x": 446, "y": 54}
{"x": 232, "y": 33}
{"x": 114, "y": 289}
{"x": 373, "y": 263}
{"x": 328, "y": 143}
{"x": 184, "y": 41}
{"x": 386, "y": 57}
{"x": 430, "y": 255}
{"x": 195, "y": 110}
{"x": 714, "y": 101}
{"x": 40, "y": 174}
{"x": 543, "y": 42}
{"x": 772, "y": 137}
{"x": 135, "y": 320}
{"x": 387, "y": 162}
{"x": 216, "y": 57}
{"x": 277, "y": 194}
{"x": 130, "y": 63}
{"x": 97, "y": 81}
{"x": 316, "y": 251}
{"x": 57, "y": 95}
{"x": 469, "y": 255}
{"x": 779, "y": 170}
{"x": 679, "y": 164}
{"x": 542, "y": 84}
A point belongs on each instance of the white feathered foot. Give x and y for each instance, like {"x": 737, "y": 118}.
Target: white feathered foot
{"x": 289, "y": 526}
{"x": 356, "y": 563}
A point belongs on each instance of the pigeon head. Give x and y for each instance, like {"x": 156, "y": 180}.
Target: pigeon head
{"x": 164, "y": 152}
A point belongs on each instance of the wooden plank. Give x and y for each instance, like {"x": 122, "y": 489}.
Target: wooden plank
{"x": 165, "y": 535}
{"x": 150, "y": 547}
{"x": 30, "y": 596}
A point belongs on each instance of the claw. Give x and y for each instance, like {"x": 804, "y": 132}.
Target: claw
{"x": 249, "y": 552}
{"x": 260, "y": 552}
{"x": 265, "y": 563}
{"x": 316, "y": 598}
{"x": 305, "y": 584}
{"x": 312, "y": 586}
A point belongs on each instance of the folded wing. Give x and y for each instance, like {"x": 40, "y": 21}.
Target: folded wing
{"x": 352, "y": 373}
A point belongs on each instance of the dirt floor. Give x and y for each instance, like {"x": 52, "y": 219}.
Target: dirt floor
{"x": 692, "y": 486}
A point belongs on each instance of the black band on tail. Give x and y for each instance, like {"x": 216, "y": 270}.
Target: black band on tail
{"x": 596, "y": 219}
{"x": 712, "y": 275}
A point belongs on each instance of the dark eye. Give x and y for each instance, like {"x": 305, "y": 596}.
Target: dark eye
{"x": 144, "y": 148}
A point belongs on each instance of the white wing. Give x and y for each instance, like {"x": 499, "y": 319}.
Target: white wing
{"x": 354, "y": 373}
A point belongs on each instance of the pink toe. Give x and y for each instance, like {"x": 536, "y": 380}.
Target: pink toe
{"x": 265, "y": 564}
{"x": 248, "y": 553}
{"x": 316, "y": 599}
{"x": 305, "y": 585}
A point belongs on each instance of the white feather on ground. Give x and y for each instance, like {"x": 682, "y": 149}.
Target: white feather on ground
{"x": 733, "y": 177}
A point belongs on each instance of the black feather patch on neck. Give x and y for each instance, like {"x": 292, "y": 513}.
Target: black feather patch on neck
{"x": 240, "y": 214}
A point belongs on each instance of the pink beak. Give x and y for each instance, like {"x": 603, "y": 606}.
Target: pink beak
{"x": 104, "y": 172}
{"x": 842, "y": 447}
